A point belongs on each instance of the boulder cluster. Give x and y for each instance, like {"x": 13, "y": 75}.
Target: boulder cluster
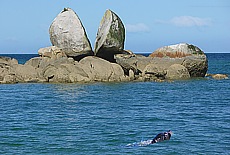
{"x": 71, "y": 58}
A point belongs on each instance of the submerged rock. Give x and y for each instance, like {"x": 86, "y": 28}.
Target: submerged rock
{"x": 217, "y": 76}
{"x": 110, "y": 37}
{"x": 68, "y": 34}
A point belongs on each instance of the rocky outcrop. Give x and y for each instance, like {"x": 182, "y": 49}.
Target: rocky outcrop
{"x": 12, "y": 72}
{"x": 68, "y": 34}
{"x": 138, "y": 63}
{"x": 110, "y": 37}
{"x": 193, "y": 58}
{"x": 88, "y": 69}
{"x": 66, "y": 70}
{"x": 71, "y": 59}
{"x": 163, "y": 63}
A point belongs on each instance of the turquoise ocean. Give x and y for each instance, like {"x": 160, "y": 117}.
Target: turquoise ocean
{"x": 114, "y": 118}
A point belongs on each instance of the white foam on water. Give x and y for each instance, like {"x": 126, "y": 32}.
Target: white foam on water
{"x": 139, "y": 144}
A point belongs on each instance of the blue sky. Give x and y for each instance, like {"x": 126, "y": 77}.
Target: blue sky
{"x": 150, "y": 24}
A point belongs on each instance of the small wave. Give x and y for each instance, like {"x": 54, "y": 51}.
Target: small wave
{"x": 139, "y": 144}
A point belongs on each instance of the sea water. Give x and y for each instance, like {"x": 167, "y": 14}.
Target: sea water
{"x": 117, "y": 118}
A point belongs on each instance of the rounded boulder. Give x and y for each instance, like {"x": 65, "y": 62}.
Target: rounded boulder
{"x": 177, "y": 72}
{"x": 193, "y": 57}
{"x": 67, "y": 32}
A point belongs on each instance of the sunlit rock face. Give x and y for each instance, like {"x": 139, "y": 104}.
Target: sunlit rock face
{"x": 67, "y": 33}
{"x": 110, "y": 37}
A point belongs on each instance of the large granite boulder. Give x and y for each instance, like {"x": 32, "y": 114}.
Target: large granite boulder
{"x": 177, "y": 51}
{"x": 101, "y": 70}
{"x": 193, "y": 58}
{"x": 68, "y": 33}
{"x": 110, "y": 37}
{"x": 197, "y": 65}
{"x": 177, "y": 72}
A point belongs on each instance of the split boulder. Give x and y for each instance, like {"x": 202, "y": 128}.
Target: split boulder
{"x": 110, "y": 37}
{"x": 68, "y": 34}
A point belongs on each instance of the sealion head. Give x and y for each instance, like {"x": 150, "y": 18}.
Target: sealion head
{"x": 170, "y": 132}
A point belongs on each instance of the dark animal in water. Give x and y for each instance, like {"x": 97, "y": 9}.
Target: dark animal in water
{"x": 162, "y": 136}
